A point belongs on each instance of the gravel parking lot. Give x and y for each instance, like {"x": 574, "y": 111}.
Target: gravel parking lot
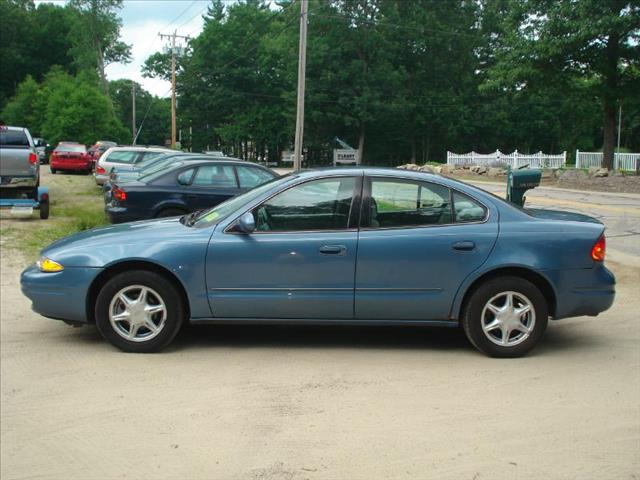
{"x": 246, "y": 402}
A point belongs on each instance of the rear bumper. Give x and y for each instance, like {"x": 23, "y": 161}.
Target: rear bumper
{"x": 60, "y": 295}
{"x": 72, "y": 165}
{"x": 583, "y": 292}
{"x": 101, "y": 178}
{"x": 121, "y": 214}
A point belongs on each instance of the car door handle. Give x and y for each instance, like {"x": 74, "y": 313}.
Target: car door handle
{"x": 333, "y": 250}
{"x": 465, "y": 246}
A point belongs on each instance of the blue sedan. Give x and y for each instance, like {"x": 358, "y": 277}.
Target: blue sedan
{"x": 347, "y": 246}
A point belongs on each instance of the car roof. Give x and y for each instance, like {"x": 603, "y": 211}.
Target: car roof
{"x": 9, "y": 127}
{"x": 141, "y": 149}
{"x": 197, "y": 159}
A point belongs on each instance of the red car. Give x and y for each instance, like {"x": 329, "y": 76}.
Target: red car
{"x": 98, "y": 149}
{"x": 70, "y": 157}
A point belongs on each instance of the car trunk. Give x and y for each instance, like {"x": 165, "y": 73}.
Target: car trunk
{"x": 560, "y": 215}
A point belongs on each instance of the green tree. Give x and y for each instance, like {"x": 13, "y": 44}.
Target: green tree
{"x": 558, "y": 42}
{"x": 26, "y": 107}
{"x": 153, "y": 114}
{"x": 96, "y": 36}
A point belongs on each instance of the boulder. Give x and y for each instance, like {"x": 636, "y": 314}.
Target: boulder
{"x": 426, "y": 169}
{"x": 593, "y": 170}
{"x": 573, "y": 174}
{"x": 446, "y": 169}
{"x": 496, "y": 172}
{"x": 437, "y": 169}
{"x": 602, "y": 172}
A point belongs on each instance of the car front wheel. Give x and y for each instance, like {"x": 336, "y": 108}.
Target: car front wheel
{"x": 139, "y": 311}
{"x": 505, "y": 317}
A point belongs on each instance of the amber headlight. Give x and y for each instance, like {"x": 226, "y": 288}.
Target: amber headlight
{"x": 47, "y": 265}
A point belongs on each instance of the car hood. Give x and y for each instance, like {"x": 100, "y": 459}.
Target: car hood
{"x": 136, "y": 240}
{"x": 560, "y": 215}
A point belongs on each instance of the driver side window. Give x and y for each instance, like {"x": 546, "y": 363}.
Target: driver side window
{"x": 315, "y": 205}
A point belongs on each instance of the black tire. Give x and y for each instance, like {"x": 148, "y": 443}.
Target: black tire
{"x": 170, "y": 212}
{"x": 44, "y": 210}
{"x": 175, "y": 310}
{"x": 53, "y": 170}
{"x": 472, "y": 317}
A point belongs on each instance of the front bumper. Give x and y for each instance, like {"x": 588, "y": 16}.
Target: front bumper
{"x": 61, "y": 295}
{"x": 583, "y": 292}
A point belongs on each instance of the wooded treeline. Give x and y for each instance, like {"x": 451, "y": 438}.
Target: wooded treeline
{"x": 404, "y": 80}
{"x": 52, "y": 73}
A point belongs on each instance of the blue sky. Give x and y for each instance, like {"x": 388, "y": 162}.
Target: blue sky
{"x": 142, "y": 20}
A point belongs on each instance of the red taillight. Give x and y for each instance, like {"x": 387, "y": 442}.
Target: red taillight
{"x": 119, "y": 194}
{"x": 33, "y": 158}
{"x": 100, "y": 170}
{"x": 599, "y": 249}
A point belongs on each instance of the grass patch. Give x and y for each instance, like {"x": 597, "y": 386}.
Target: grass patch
{"x": 76, "y": 205}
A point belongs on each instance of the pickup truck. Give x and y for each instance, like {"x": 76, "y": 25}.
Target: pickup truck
{"x": 20, "y": 172}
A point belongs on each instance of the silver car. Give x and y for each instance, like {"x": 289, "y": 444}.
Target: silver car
{"x": 124, "y": 158}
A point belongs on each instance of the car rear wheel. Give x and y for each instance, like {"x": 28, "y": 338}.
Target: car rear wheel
{"x": 170, "y": 212}
{"x": 505, "y": 317}
{"x": 139, "y": 311}
{"x": 53, "y": 170}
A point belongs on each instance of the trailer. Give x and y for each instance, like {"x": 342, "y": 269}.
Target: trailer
{"x": 23, "y": 206}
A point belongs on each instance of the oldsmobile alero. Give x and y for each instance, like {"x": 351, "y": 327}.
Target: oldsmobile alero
{"x": 339, "y": 246}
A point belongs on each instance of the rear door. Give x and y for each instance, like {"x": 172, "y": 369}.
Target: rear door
{"x": 418, "y": 241}
{"x": 211, "y": 185}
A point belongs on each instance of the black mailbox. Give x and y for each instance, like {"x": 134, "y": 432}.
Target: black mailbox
{"x": 519, "y": 181}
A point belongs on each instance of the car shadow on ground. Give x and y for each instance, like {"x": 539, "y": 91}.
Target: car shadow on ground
{"x": 563, "y": 340}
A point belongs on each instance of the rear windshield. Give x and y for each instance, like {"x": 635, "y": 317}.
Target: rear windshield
{"x": 122, "y": 156}
{"x": 71, "y": 148}
{"x": 13, "y": 139}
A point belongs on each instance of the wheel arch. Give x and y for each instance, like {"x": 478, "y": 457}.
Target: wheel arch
{"x": 116, "y": 268}
{"x": 537, "y": 278}
{"x": 169, "y": 206}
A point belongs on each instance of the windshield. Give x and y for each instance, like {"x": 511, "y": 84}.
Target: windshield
{"x": 150, "y": 165}
{"x": 224, "y": 209}
{"x": 156, "y": 171}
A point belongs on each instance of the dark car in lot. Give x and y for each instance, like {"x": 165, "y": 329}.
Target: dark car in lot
{"x": 184, "y": 187}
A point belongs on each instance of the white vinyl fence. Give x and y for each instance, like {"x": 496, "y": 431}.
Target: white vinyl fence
{"x": 515, "y": 159}
{"x": 621, "y": 161}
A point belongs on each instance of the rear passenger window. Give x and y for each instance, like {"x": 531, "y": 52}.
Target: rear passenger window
{"x": 467, "y": 209}
{"x": 396, "y": 203}
{"x": 251, "y": 177}
{"x": 216, "y": 176}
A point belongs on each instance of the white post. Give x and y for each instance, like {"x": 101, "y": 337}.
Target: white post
{"x": 577, "y": 158}
{"x": 564, "y": 158}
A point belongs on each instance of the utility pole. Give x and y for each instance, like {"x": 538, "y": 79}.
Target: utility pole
{"x": 302, "y": 65}
{"x": 133, "y": 112}
{"x": 619, "y": 125}
{"x": 172, "y": 38}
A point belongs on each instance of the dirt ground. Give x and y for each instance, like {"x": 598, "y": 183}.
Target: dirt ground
{"x": 319, "y": 402}
{"x": 291, "y": 403}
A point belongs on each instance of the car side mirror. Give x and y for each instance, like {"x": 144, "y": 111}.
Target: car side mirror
{"x": 246, "y": 223}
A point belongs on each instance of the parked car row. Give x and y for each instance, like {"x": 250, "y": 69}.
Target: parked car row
{"x": 179, "y": 183}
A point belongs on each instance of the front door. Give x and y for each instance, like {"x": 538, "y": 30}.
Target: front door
{"x": 418, "y": 242}
{"x": 300, "y": 261}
